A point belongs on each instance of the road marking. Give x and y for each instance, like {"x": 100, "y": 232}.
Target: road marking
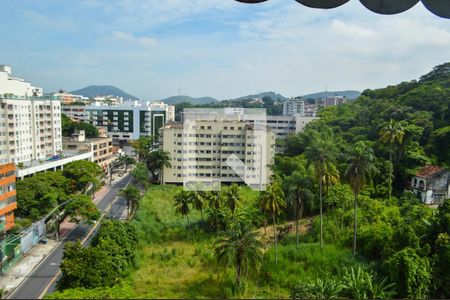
{"x": 87, "y": 236}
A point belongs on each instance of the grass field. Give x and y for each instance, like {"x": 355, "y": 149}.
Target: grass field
{"x": 178, "y": 262}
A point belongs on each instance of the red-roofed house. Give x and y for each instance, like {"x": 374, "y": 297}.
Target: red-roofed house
{"x": 431, "y": 184}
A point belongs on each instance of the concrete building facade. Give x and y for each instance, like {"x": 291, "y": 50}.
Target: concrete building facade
{"x": 101, "y": 147}
{"x": 293, "y": 107}
{"x": 10, "y": 85}
{"x": 76, "y": 113}
{"x": 7, "y": 196}
{"x": 431, "y": 184}
{"x": 30, "y": 128}
{"x": 130, "y": 120}
{"x": 209, "y": 152}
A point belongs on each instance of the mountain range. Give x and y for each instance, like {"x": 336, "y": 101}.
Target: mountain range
{"x": 96, "y": 90}
{"x": 183, "y": 98}
{"x": 349, "y": 94}
{"x": 103, "y": 90}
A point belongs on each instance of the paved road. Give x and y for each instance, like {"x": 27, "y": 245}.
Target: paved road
{"x": 41, "y": 277}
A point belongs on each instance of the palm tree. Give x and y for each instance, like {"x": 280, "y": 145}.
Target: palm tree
{"x": 320, "y": 153}
{"x": 182, "y": 201}
{"x": 297, "y": 187}
{"x": 158, "y": 160}
{"x": 359, "y": 172}
{"x": 132, "y": 195}
{"x": 272, "y": 201}
{"x": 391, "y": 133}
{"x": 232, "y": 197}
{"x": 197, "y": 198}
{"x": 240, "y": 248}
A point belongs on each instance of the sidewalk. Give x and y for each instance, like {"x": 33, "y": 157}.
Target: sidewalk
{"x": 17, "y": 273}
{"x": 11, "y": 279}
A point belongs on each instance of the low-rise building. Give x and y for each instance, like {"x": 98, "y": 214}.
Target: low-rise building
{"x": 7, "y": 196}
{"x": 69, "y": 99}
{"x": 431, "y": 184}
{"x": 76, "y": 113}
{"x": 332, "y": 101}
{"x": 101, "y": 147}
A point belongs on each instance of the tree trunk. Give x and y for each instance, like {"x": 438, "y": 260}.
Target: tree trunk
{"x": 238, "y": 273}
{"x": 355, "y": 224}
{"x": 187, "y": 217}
{"x": 275, "y": 237}
{"x": 126, "y": 167}
{"x": 296, "y": 222}
{"x": 265, "y": 226}
{"x": 390, "y": 174}
{"x": 321, "y": 215}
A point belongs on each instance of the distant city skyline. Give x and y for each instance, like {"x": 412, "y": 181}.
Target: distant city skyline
{"x": 218, "y": 48}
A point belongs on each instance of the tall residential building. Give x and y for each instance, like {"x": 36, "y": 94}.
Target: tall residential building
{"x": 218, "y": 149}
{"x": 30, "y": 126}
{"x": 293, "y": 106}
{"x": 16, "y": 86}
{"x": 7, "y": 196}
{"x": 130, "y": 120}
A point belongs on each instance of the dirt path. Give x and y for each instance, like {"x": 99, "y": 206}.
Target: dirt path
{"x": 304, "y": 227}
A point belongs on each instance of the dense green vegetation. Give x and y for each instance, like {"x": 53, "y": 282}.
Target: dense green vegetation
{"x": 69, "y": 127}
{"x": 336, "y": 221}
{"x": 44, "y": 192}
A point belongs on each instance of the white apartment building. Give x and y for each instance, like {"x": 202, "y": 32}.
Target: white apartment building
{"x": 218, "y": 150}
{"x": 293, "y": 106}
{"x": 30, "y": 126}
{"x": 129, "y": 121}
{"x": 282, "y": 126}
{"x": 16, "y": 86}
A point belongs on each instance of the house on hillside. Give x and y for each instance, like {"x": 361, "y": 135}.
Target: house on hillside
{"x": 431, "y": 184}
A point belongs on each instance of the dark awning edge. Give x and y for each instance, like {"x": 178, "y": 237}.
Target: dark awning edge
{"x": 440, "y": 8}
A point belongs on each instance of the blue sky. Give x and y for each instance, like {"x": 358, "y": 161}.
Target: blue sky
{"x": 218, "y": 48}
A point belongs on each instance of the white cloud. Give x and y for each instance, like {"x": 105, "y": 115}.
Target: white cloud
{"x": 131, "y": 39}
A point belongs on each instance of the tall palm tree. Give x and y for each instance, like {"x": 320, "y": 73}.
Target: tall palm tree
{"x": 232, "y": 197}
{"x": 132, "y": 195}
{"x": 298, "y": 192}
{"x": 158, "y": 160}
{"x": 359, "y": 172}
{"x": 272, "y": 201}
{"x": 182, "y": 200}
{"x": 240, "y": 248}
{"x": 197, "y": 198}
{"x": 392, "y": 133}
{"x": 320, "y": 153}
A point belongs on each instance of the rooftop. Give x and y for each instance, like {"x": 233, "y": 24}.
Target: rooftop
{"x": 429, "y": 170}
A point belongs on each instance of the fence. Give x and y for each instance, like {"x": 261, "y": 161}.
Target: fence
{"x": 13, "y": 247}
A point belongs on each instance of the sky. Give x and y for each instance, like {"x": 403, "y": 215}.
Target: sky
{"x": 219, "y": 48}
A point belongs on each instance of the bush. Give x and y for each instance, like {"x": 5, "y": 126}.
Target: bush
{"x": 411, "y": 273}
